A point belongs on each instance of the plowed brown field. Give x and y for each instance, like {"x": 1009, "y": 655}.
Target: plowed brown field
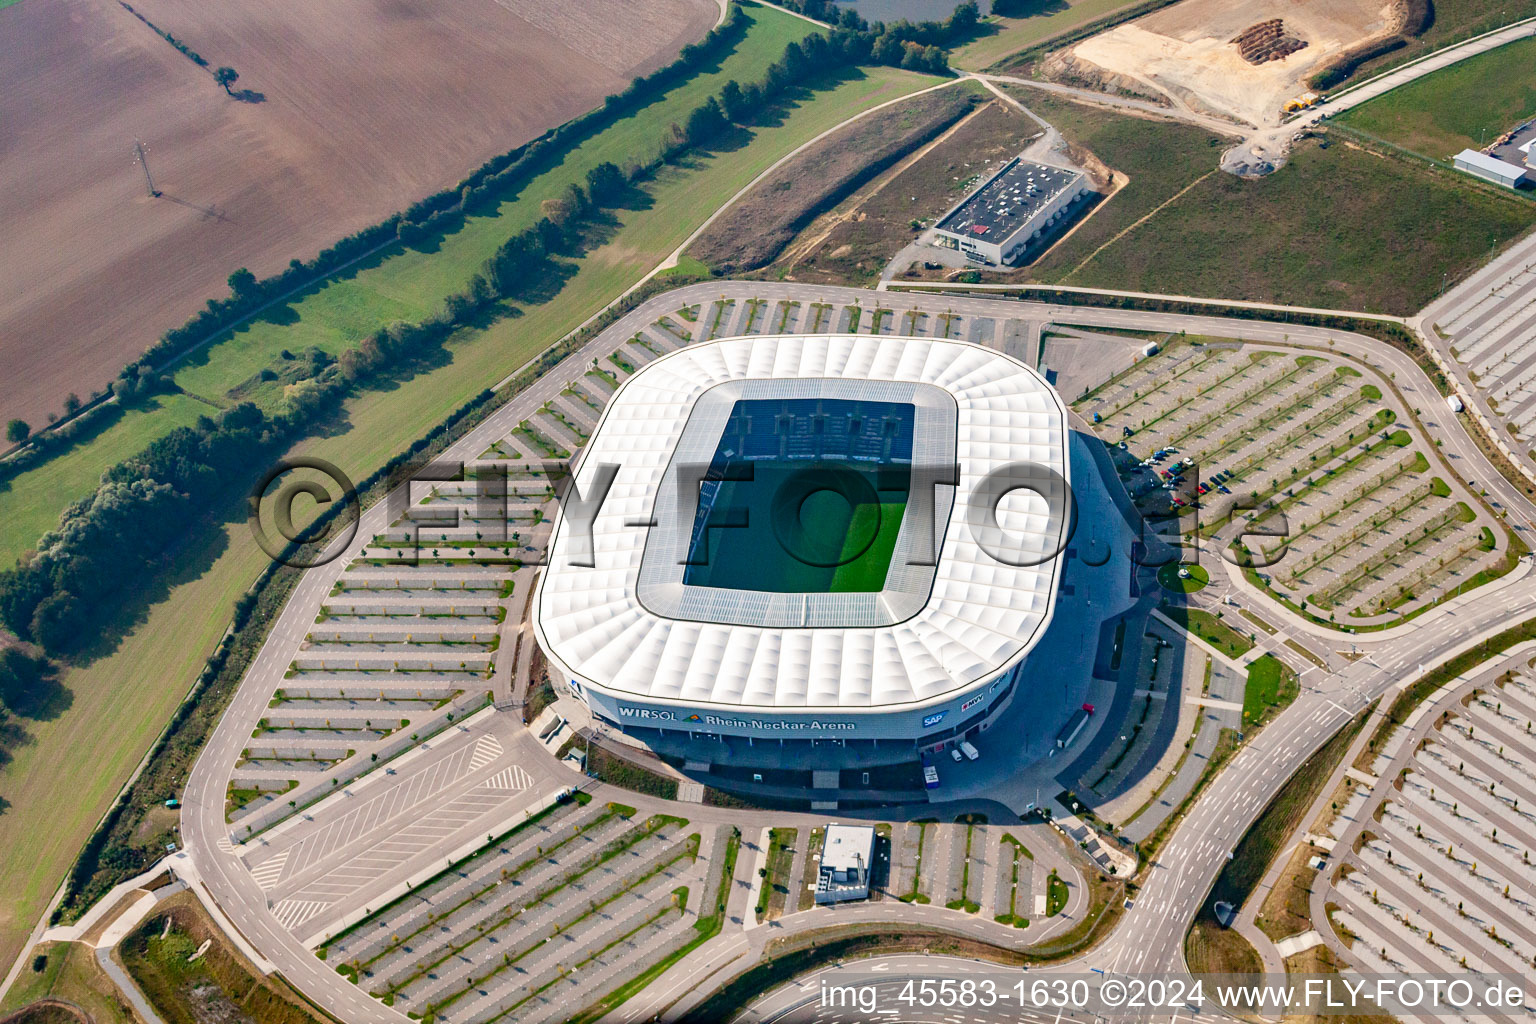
{"x": 367, "y": 106}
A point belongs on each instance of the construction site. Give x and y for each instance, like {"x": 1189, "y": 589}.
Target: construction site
{"x": 1240, "y": 61}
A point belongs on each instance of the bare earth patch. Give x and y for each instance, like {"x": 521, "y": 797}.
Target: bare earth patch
{"x": 1191, "y": 53}
{"x": 355, "y": 109}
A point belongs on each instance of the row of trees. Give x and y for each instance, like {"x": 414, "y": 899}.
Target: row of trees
{"x": 919, "y": 46}
{"x": 114, "y": 538}
{"x": 146, "y": 504}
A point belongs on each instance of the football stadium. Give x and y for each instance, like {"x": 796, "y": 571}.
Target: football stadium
{"x": 810, "y": 551}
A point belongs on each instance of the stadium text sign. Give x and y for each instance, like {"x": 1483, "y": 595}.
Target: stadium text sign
{"x": 735, "y": 722}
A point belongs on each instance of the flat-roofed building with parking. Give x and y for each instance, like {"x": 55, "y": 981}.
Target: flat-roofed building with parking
{"x": 847, "y": 858}
{"x": 1018, "y": 208}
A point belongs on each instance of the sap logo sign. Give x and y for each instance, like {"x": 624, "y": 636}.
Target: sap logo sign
{"x": 970, "y": 704}
{"x": 934, "y": 719}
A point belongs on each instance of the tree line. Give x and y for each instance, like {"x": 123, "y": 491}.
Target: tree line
{"x": 917, "y": 46}
{"x": 110, "y": 541}
{"x": 852, "y": 41}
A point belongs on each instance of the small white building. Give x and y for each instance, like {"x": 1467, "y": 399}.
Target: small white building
{"x": 847, "y": 858}
{"x": 1481, "y": 165}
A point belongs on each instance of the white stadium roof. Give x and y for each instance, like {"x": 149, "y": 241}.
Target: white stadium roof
{"x": 980, "y": 617}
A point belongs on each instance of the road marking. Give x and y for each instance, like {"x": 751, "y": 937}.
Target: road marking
{"x": 292, "y": 913}
{"x": 268, "y": 872}
{"x": 514, "y": 778}
{"x": 487, "y": 749}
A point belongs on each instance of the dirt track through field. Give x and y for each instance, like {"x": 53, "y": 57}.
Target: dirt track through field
{"x": 367, "y": 106}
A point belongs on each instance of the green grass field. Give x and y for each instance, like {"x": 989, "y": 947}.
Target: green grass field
{"x": 121, "y": 701}
{"x": 71, "y": 975}
{"x": 1211, "y": 629}
{"x": 32, "y": 501}
{"x": 119, "y": 704}
{"x": 1271, "y": 686}
{"x": 758, "y": 556}
{"x": 1389, "y": 229}
{"x": 1169, "y": 577}
{"x": 1460, "y": 107}
{"x": 1014, "y": 34}
{"x": 866, "y": 573}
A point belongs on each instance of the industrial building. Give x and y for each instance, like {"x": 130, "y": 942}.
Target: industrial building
{"x": 1481, "y": 165}
{"x": 1019, "y": 207}
{"x": 672, "y": 611}
{"x": 847, "y": 860}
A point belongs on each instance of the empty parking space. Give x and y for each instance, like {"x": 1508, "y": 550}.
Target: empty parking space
{"x": 1312, "y": 451}
{"x": 1441, "y": 879}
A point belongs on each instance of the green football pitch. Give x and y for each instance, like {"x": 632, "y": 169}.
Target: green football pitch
{"x": 823, "y": 544}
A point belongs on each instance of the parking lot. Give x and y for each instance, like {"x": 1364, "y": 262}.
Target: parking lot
{"x": 976, "y": 868}
{"x": 588, "y": 886}
{"x": 1441, "y": 878}
{"x": 1493, "y": 334}
{"x": 323, "y": 863}
{"x": 1307, "y": 446}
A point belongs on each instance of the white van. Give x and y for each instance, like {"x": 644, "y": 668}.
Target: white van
{"x": 970, "y": 752}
